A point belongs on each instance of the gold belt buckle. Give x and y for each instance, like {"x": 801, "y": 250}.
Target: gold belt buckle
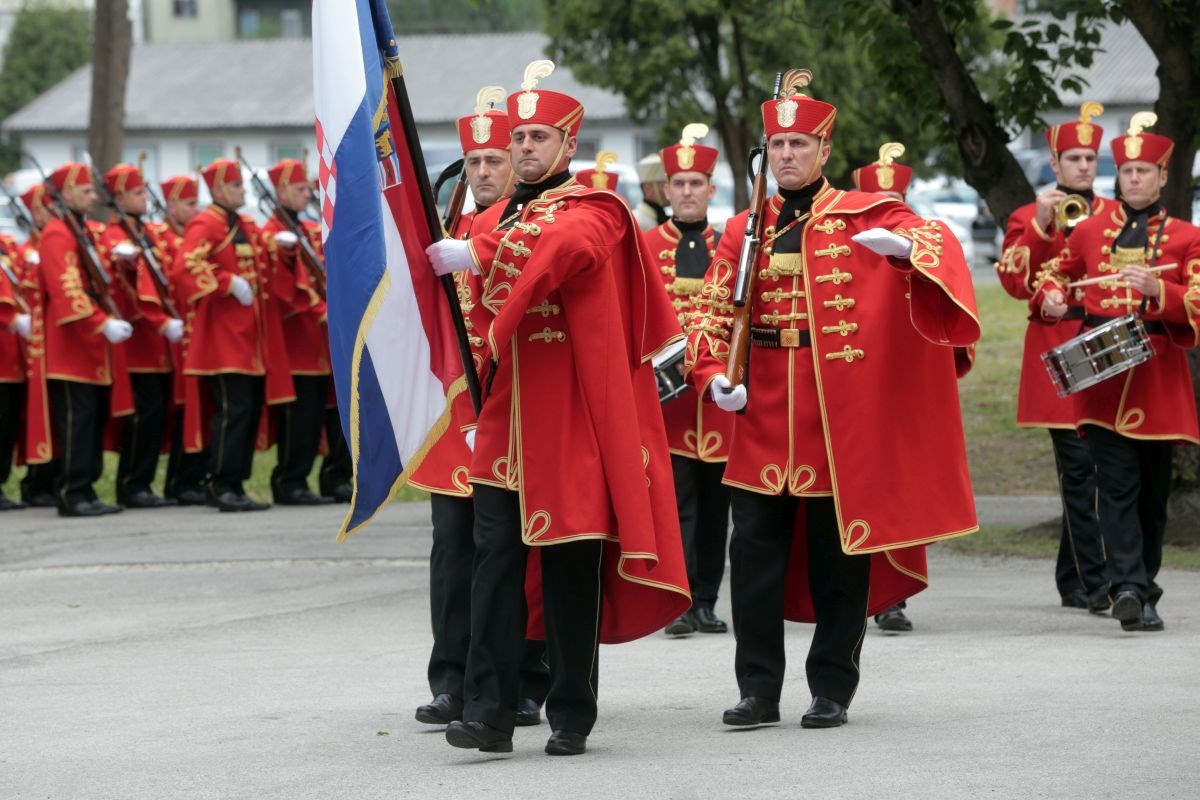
{"x": 789, "y": 337}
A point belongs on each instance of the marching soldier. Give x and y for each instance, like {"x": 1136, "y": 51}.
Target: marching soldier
{"x": 84, "y": 369}
{"x": 856, "y": 310}
{"x": 1142, "y": 262}
{"x": 577, "y": 320}
{"x": 295, "y": 291}
{"x": 650, "y": 212}
{"x": 698, "y": 434}
{"x": 148, "y": 354}
{"x": 1034, "y": 236}
{"x": 221, "y": 273}
{"x": 15, "y": 322}
{"x": 599, "y": 177}
{"x": 186, "y": 471}
{"x": 484, "y": 137}
{"x": 39, "y": 487}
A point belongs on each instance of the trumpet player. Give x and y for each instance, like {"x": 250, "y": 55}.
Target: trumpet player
{"x": 1036, "y": 233}
{"x": 1146, "y": 263}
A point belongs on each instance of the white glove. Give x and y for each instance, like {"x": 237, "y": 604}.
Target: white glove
{"x": 173, "y": 330}
{"x": 884, "y": 242}
{"x": 125, "y": 251}
{"x": 726, "y": 396}
{"x": 116, "y": 330}
{"x": 471, "y": 440}
{"x": 33, "y": 257}
{"x": 286, "y": 239}
{"x": 449, "y": 255}
{"x": 21, "y": 325}
{"x": 239, "y": 287}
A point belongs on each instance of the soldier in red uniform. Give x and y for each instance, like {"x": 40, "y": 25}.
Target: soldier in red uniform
{"x": 147, "y": 353}
{"x": 570, "y": 453}
{"x": 295, "y": 291}
{"x": 39, "y": 487}
{"x": 186, "y": 471}
{"x": 15, "y": 324}
{"x": 855, "y": 315}
{"x": 81, "y": 365}
{"x": 221, "y": 273}
{"x": 598, "y": 177}
{"x": 698, "y": 433}
{"x": 1132, "y": 420}
{"x": 1033, "y": 237}
{"x": 484, "y": 137}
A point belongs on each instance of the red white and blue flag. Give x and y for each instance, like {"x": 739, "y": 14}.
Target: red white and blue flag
{"x": 391, "y": 337}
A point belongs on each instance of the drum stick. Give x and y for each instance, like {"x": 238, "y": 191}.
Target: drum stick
{"x": 1115, "y": 276}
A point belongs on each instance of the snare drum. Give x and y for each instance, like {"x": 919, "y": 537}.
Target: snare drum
{"x": 668, "y": 371}
{"x": 1098, "y": 354}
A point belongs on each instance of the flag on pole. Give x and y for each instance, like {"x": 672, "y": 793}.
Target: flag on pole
{"x": 390, "y": 333}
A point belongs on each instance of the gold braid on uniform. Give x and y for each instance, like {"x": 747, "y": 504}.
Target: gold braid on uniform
{"x": 1050, "y": 272}
{"x": 926, "y": 244}
{"x": 201, "y": 268}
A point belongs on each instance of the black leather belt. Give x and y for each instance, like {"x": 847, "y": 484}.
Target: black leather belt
{"x": 1153, "y": 327}
{"x": 775, "y": 338}
{"x": 1074, "y": 312}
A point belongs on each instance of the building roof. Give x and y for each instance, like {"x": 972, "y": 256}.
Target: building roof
{"x": 1122, "y": 73}
{"x": 268, "y": 84}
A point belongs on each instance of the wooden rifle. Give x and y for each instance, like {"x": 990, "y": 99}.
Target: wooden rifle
{"x": 458, "y": 197}
{"x": 312, "y": 262}
{"x": 137, "y": 236}
{"x": 744, "y": 280}
{"x": 93, "y": 265}
{"x": 159, "y": 208}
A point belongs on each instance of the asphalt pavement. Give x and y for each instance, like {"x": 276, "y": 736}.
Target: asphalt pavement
{"x": 191, "y": 654}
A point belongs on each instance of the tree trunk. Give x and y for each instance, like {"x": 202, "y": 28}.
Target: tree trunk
{"x": 110, "y": 71}
{"x": 988, "y": 164}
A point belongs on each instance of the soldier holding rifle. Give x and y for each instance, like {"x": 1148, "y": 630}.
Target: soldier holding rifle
{"x": 84, "y": 369}
{"x": 851, "y": 306}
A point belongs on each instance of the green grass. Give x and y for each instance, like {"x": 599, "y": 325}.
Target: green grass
{"x": 1041, "y": 541}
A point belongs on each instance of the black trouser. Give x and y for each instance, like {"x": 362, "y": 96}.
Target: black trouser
{"x": 298, "y": 433}
{"x": 237, "y": 406}
{"x": 571, "y": 600}
{"x": 450, "y": 560}
{"x": 79, "y": 412}
{"x": 1134, "y": 477}
{"x": 12, "y": 403}
{"x": 41, "y": 479}
{"x": 1080, "y": 564}
{"x": 838, "y": 583}
{"x": 185, "y": 471}
{"x": 142, "y": 432}
{"x": 703, "y": 504}
{"x": 337, "y": 468}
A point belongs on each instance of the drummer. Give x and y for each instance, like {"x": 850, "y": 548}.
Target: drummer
{"x": 1135, "y": 260}
{"x": 698, "y": 433}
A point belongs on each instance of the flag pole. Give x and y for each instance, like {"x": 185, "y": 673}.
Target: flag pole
{"x": 396, "y": 75}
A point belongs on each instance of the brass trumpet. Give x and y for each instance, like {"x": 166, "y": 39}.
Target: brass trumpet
{"x": 1070, "y": 211}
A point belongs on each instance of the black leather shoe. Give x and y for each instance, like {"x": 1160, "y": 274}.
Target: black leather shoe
{"x": 444, "y": 709}
{"x": 342, "y": 493}
{"x": 83, "y": 508}
{"x": 1075, "y": 599}
{"x": 681, "y": 626}
{"x": 1098, "y": 601}
{"x": 478, "y": 736}
{"x": 40, "y": 500}
{"x": 1127, "y": 608}
{"x": 1151, "y": 621}
{"x": 107, "y": 509}
{"x": 752, "y": 711}
{"x": 191, "y": 497}
{"x": 300, "y": 497}
{"x": 10, "y": 505}
{"x": 824, "y": 713}
{"x": 893, "y": 619}
{"x": 528, "y": 712}
{"x": 706, "y": 620}
{"x": 565, "y": 743}
{"x": 230, "y": 501}
{"x": 145, "y": 499}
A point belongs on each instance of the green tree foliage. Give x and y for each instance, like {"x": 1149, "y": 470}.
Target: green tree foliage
{"x": 714, "y": 61}
{"x": 464, "y": 16}
{"x": 46, "y": 44}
